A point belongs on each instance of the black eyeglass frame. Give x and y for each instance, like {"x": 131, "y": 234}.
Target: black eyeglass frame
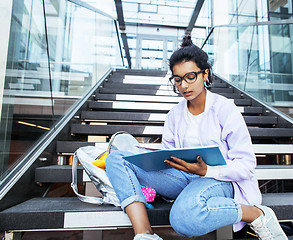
{"x": 183, "y": 78}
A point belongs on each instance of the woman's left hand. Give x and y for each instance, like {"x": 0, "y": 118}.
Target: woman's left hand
{"x": 199, "y": 167}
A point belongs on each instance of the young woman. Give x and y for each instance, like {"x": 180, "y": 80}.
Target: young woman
{"x": 206, "y": 198}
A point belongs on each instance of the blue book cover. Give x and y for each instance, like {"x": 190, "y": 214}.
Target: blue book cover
{"x": 154, "y": 160}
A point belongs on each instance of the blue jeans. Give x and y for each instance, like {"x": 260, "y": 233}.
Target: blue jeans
{"x": 202, "y": 204}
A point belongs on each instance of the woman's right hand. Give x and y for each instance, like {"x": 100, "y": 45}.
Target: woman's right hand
{"x": 199, "y": 167}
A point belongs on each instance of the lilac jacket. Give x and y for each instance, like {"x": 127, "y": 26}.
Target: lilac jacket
{"x": 222, "y": 124}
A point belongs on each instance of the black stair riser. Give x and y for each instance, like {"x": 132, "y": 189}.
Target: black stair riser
{"x": 155, "y": 73}
{"x": 150, "y": 91}
{"x": 153, "y": 92}
{"x": 113, "y": 97}
{"x": 136, "y": 116}
{"x": 137, "y": 130}
{"x": 63, "y": 173}
{"x": 73, "y": 144}
{"x": 113, "y": 84}
{"x": 109, "y": 106}
{"x": 57, "y": 173}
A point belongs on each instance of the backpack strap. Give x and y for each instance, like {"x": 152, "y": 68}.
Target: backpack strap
{"x": 108, "y": 192}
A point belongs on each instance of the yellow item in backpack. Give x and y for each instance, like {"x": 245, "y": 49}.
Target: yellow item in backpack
{"x": 101, "y": 161}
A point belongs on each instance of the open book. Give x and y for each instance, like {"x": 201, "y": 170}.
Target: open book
{"x": 154, "y": 160}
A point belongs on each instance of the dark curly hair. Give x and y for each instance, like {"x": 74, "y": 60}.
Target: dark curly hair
{"x": 190, "y": 52}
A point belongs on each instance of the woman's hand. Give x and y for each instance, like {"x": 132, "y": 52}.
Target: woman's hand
{"x": 199, "y": 168}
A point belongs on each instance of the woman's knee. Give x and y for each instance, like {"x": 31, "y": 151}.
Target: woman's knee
{"x": 114, "y": 159}
{"x": 187, "y": 218}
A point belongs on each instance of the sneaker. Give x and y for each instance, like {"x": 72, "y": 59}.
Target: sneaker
{"x": 143, "y": 236}
{"x": 267, "y": 226}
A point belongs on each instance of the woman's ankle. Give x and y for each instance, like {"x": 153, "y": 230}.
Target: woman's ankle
{"x": 250, "y": 213}
{"x": 148, "y": 231}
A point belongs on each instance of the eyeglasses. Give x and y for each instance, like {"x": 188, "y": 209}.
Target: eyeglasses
{"x": 190, "y": 77}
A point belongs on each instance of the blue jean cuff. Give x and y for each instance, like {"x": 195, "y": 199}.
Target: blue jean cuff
{"x": 131, "y": 199}
{"x": 239, "y": 211}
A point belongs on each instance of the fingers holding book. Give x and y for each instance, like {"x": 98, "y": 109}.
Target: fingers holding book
{"x": 199, "y": 167}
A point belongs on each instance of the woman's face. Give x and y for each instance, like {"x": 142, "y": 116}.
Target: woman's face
{"x": 190, "y": 91}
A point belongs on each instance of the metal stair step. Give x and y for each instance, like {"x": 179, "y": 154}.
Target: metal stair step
{"x": 140, "y": 79}
{"x": 149, "y": 91}
{"x": 141, "y": 130}
{"x": 155, "y": 107}
{"x": 132, "y": 117}
{"x": 155, "y": 92}
{"x": 71, "y": 213}
{"x": 63, "y": 173}
{"x": 69, "y": 147}
{"x": 152, "y": 98}
{"x": 113, "y": 84}
{"x": 268, "y": 133}
{"x": 140, "y": 72}
{"x": 139, "y": 98}
{"x": 106, "y": 130}
{"x": 147, "y": 79}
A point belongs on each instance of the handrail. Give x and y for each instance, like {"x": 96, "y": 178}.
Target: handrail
{"x": 49, "y": 63}
{"x": 118, "y": 38}
{"x": 266, "y": 23}
{"x": 9, "y": 181}
{"x": 276, "y": 22}
{"x": 207, "y": 38}
{"x": 270, "y": 108}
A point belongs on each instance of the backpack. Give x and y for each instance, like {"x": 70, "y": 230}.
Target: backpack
{"x": 88, "y": 154}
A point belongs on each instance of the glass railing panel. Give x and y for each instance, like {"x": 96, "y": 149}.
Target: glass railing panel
{"x": 82, "y": 47}
{"x": 20, "y": 128}
{"x": 43, "y": 82}
{"x": 256, "y": 58}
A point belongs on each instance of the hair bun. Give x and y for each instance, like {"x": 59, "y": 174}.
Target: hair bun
{"x": 186, "y": 41}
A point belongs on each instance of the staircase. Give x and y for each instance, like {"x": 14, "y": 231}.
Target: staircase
{"x": 137, "y": 101}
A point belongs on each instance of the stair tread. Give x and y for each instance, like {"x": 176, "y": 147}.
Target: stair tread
{"x": 142, "y": 130}
{"x": 153, "y": 91}
{"x": 70, "y": 212}
{"x": 158, "y": 99}
{"x": 72, "y": 146}
{"x": 155, "y": 107}
{"x": 62, "y": 173}
{"x": 65, "y": 213}
{"x": 159, "y": 117}
{"x": 111, "y": 84}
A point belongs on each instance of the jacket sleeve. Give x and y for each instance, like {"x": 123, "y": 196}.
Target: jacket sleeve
{"x": 240, "y": 158}
{"x": 168, "y": 131}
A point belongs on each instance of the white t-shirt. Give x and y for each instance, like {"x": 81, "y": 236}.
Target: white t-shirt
{"x": 191, "y": 136}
